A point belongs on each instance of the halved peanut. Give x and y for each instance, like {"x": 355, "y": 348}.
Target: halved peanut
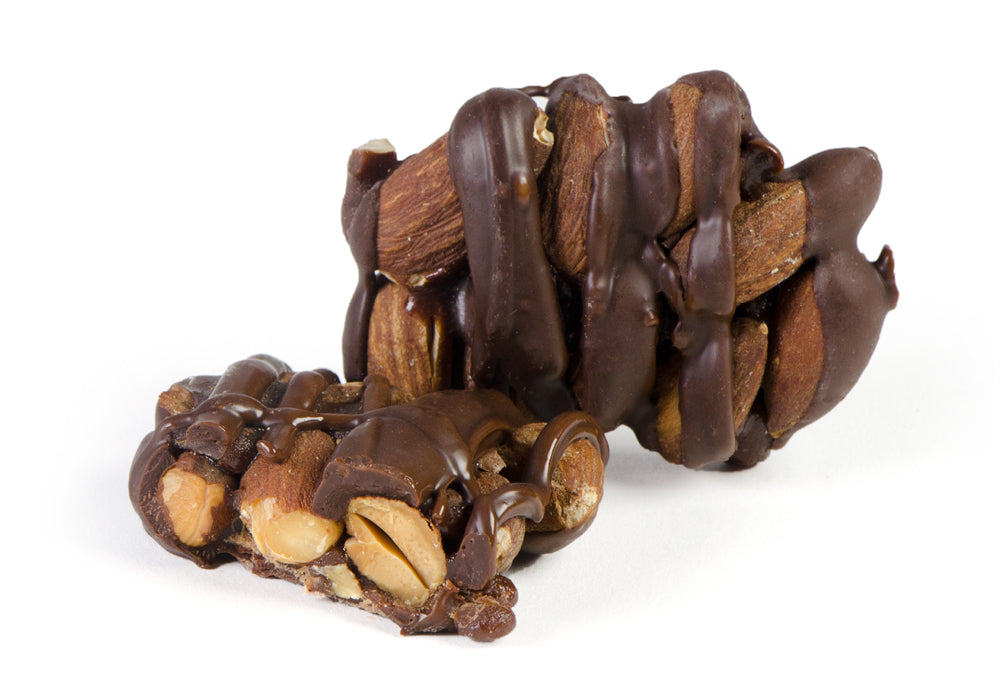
{"x": 195, "y": 497}
{"x": 396, "y": 547}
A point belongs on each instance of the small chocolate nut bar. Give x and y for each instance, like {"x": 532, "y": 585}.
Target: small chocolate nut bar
{"x": 410, "y": 509}
{"x": 651, "y": 263}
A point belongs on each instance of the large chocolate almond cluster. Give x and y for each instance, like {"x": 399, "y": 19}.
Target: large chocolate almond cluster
{"x": 654, "y": 265}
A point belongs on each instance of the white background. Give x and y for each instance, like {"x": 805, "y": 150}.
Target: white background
{"x": 170, "y": 179}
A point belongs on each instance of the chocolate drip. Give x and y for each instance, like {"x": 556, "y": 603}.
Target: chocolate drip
{"x": 214, "y": 433}
{"x": 366, "y": 169}
{"x": 635, "y": 186}
{"x": 635, "y": 200}
{"x": 556, "y": 436}
{"x": 683, "y": 160}
{"x": 516, "y": 336}
{"x": 361, "y": 238}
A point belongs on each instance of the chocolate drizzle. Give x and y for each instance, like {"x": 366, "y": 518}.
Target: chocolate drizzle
{"x": 413, "y": 452}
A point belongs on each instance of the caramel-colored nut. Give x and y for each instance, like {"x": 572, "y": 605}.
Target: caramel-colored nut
{"x": 566, "y": 186}
{"x": 177, "y": 399}
{"x": 491, "y": 461}
{"x": 396, "y": 547}
{"x": 290, "y": 537}
{"x": 749, "y": 361}
{"x": 509, "y": 540}
{"x": 684, "y": 101}
{"x": 342, "y": 580}
{"x": 577, "y": 488}
{"x": 341, "y": 398}
{"x": 196, "y": 499}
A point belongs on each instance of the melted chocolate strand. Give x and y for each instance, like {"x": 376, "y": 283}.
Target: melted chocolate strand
{"x": 302, "y": 391}
{"x": 703, "y": 334}
{"x": 635, "y": 186}
{"x": 475, "y": 561}
{"x": 213, "y": 433}
{"x": 361, "y": 237}
{"x": 561, "y": 432}
{"x": 558, "y": 434}
{"x": 366, "y": 170}
{"x": 412, "y": 452}
{"x": 516, "y": 340}
{"x": 635, "y": 195}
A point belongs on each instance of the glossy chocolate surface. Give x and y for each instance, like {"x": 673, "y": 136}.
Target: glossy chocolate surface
{"x": 523, "y": 334}
{"x": 414, "y": 452}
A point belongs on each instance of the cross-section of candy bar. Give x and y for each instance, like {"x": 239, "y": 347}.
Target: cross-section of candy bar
{"x": 411, "y": 509}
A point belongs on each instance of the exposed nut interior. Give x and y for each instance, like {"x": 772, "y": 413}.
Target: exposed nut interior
{"x": 575, "y": 499}
{"x": 191, "y": 503}
{"x": 396, "y": 547}
{"x": 541, "y": 131}
{"x": 342, "y": 580}
{"x": 289, "y": 537}
{"x": 378, "y": 146}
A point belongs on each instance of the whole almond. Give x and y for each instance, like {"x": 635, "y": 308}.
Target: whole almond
{"x": 407, "y": 342}
{"x": 768, "y": 236}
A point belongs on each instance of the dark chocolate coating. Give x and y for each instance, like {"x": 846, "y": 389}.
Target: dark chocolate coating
{"x": 631, "y": 299}
{"x": 411, "y": 452}
{"x": 853, "y": 295}
{"x": 516, "y": 333}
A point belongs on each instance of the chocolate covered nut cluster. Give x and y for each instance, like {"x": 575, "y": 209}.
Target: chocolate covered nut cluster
{"x": 652, "y": 264}
{"x": 411, "y": 509}
{"x": 560, "y": 263}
